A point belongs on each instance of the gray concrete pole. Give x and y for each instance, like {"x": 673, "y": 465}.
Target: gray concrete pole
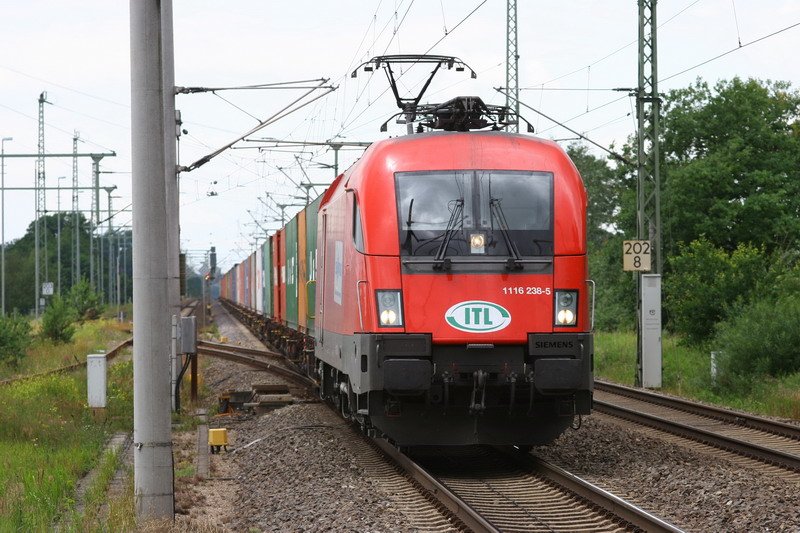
{"x": 109, "y": 238}
{"x": 3, "y": 222}
{"x": 76, "y": 244}
{"x": 119, "y": 297}
{"x": 153, "y": 474}
{"x": 170, "y": 175}
{"x": 58, "y": 235}
{"x": 36, "y": 275}
{"x": 95, "y": 262}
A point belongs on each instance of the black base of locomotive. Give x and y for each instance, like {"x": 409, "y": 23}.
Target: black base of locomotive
{"x": 491, "y": 399}
{"x": 450, "y": 430}
{"x": 412, "y": 421}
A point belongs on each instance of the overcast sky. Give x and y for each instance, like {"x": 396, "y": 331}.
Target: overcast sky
{"x": 78, "y": 52}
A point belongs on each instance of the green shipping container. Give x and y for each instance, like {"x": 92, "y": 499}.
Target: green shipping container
{"x": 291, "y": 274}
{"x": 311, "y": 260}
{"x": 266, "y": 266}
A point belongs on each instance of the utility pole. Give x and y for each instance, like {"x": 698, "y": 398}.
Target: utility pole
{"x": 3, "y": 221}
{"x": 58, "y": 234}
{"x": 334, "y": 145}
{"x": 170, "y": 138}
{"x": 648, "y": 201}
{"x": 153, "y": 474}
{"x": 39, "y": 187}
{"x": 109, "y": 236}
{"x": 512, "y": 65}
{"x": 76, "y": 225}
{"x": 96, "y": 158}
{"x": 283, "y": 207}
{"x": 40, "y": 203}
{"x": 36, "y": 190}
{"x": 119, "y": 295}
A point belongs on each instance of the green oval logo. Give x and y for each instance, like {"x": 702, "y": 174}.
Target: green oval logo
{"x": 477, "y": 317}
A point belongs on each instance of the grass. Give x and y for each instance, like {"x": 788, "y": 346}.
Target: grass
{"x": 49, "y": 439}
{"x": 122, "y": 509}
{"x": 687, "y": 372}
{"x": 95, "y": 497}
{"x": 90, "y": 337}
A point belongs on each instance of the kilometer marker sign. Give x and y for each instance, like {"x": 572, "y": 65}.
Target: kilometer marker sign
{"x": 636, "y": 256}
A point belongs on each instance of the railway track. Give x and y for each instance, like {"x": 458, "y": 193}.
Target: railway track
{"x": 486, "y": 489}
{"x": 491, "y": 490}
{"x": 110, "y": 354}
{"x": 768, "y": 441}
{"x": 187, "y": 309}
{"x": 260, "y": 359}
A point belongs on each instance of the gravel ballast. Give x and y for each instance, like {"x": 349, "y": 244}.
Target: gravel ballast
{"x": 300, "y": 468}
{"x": 693, "y": 490}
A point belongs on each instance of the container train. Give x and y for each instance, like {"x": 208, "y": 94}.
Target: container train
{"x": 438, "y": 290}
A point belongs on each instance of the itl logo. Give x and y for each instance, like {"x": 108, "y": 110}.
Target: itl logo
{"x": 477, "y": 317}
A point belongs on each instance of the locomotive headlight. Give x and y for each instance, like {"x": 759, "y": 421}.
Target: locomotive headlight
{"x": 477, "y": 243}
{"x": 566, "y": 308}
{"x": 566, "y": 317}
{"x": 390, "y": 308}
{"x": 388, "y": 317}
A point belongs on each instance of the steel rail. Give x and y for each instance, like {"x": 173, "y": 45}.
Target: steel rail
{"x": 444, "y": 496}
{"x": 241, "y": 349}
{"x": 636, "y": 516}
{"x": 748, "y": 449}
{"x": 233, "y": 354}
{"x": 725, "y": 415}
{"x": 110, "y": 354}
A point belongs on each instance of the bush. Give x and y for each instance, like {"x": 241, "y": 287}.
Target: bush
{"x": 57, "y": 321}
{"x": 14, "y": 338}
{"x": 762, "y": 339}
{"x": 707, "y": 282}
{"x": 85, "y": 301}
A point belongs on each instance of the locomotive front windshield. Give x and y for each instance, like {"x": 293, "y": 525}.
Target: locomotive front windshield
{"x": 475, "y": 213}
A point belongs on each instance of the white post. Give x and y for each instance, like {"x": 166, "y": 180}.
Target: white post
{"x": 153, "y": 474}
{"x": 714, "y": 356}
{"x": 651, "y": 331}
{"x": 174, "y": 360}
{"x": 96, "y": 379}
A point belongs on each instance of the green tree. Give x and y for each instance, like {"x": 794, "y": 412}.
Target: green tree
{"x": 21, "y": 253}
{"x": 731, "y": 169}
{"x": 57, "y": 320}
{"x": 14, "y": 338}
{"x": 85, "y": 301}
{"x": 616, "y": 290}
{"x": 604, "y": 188}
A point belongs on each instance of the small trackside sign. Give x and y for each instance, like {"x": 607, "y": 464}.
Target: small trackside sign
{"x": 477, "y": 317}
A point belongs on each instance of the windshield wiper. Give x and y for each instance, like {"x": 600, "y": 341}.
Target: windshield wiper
{"x": 439, "y": 260}
{"x": 409, "y": 232}
{"x": 513, "y": 262}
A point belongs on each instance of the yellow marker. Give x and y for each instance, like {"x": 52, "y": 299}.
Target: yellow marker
{"x": 217, "y": 438}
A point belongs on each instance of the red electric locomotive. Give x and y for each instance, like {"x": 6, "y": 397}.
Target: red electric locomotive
{"x": 452, "y": 293}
